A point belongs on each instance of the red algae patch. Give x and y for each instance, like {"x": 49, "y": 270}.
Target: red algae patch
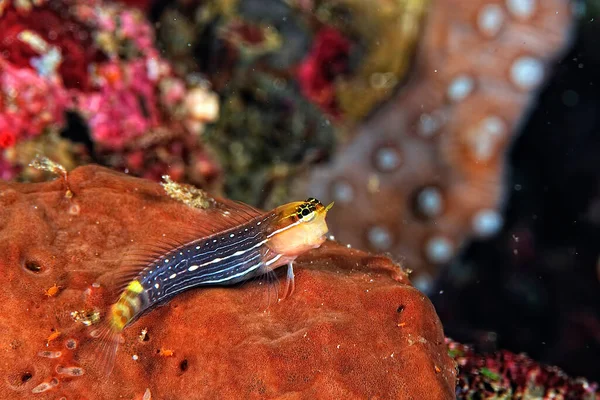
{"x": 353, "y": 328}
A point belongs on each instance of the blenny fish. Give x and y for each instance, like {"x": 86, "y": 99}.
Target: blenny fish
{"x": 239, "y": 243}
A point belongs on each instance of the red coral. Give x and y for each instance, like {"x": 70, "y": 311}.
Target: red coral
{"x": 7, "y": 138}
{"x": 514, "y": 375}
{"x": 327, "y": 60}
{"x": 74, "y": 40}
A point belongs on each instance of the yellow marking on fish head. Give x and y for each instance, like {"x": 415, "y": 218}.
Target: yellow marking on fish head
{"x": 299, "y": 227}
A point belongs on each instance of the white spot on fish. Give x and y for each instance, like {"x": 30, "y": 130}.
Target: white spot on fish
{"x": 172, "y": 276}
{"x": 156, "y": 285}
{"x": 232, "y": 235}
{"x": 198, "y": 247}
{"x": 193, "y": 268}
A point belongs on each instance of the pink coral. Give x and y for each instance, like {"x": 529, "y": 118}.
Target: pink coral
{"x": 29, "y": 103}
{"x": 98, "y": 60}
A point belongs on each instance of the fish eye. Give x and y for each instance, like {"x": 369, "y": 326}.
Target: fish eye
{"x": 306, "y": 212}
{"x": 309, "y": 217}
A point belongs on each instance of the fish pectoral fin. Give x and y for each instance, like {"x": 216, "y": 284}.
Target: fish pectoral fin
{"x": 290, "y": 282}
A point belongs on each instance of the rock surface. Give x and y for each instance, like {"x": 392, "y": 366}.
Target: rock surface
{"x": 354, "y": 327}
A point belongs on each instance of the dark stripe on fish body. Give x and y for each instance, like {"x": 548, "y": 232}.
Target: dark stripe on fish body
{"x": 225, "y": 258}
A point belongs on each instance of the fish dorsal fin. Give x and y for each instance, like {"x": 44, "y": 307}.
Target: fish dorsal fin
{"x": 225, "y": 214}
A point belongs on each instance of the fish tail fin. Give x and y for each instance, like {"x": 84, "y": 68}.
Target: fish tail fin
{"x": 107, "y": 337}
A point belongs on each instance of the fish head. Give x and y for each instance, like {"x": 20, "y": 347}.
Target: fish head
{"x": 298, "y": 227}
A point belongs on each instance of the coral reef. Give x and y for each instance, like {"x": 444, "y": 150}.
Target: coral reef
{"x": 87, "y": 75}
{"x": 354, "y": 327}
{"x": 505, "y": 375}
{"x": 426, "y": 170}
{"x": 536, "y": 284}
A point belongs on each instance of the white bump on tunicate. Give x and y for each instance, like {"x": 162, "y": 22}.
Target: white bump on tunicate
{"x": 527, "y": 72}
{"x": 439, "y": 249}
{"x": 521, "y": 8}
{"x": 487, "y": 223}
{"x": 193, "y": 268}
{"x": 428, "y": 125}
{"x": 423, "y": 282}
{"x": 483, "y": 139}
{"x": 380, "y": 238}
{"x": 460, "y": 87}
{"x": 490, "y": 19}
{"x": 342, "y": 192}
{"x": 430, "y": 202}
{"x": 387, "y": 159}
